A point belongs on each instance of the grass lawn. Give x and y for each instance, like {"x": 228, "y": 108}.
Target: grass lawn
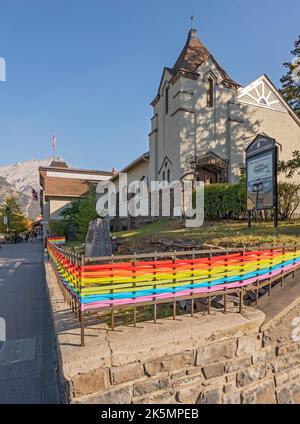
{"x": 221, "y": 233}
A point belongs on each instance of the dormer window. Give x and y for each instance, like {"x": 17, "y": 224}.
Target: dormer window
{"x": 210, "y": 92}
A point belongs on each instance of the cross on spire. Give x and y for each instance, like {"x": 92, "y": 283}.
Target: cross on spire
{"x": 192, "y": 22}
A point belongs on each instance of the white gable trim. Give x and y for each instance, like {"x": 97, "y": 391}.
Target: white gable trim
{"x": 265, "y": 81}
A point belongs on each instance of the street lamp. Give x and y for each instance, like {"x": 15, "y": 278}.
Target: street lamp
{"x": 8, "y": 218}
{"x": 193, "y": 162}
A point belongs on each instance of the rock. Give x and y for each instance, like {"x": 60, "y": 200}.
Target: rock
{"x": 150, "y": 386}
{"x": 152, "y": 367}
{"x": 263, "y": 393}
{"x": 92, "y": 382}
{"x": 178, "y": 374}
{"x": 284, "y": 396}
{"x": 166, "y": 397}
{"x": 287, "y": 376}
{"x": 246, "y": 345}
{"x": 296, "y": 394}
{"x": 170, "y": 363}
{"x": 216, "y": 352}
{"x": 250, "y": 375}
{"x": 126, "y": 373}
{"x": 233, "y": 398}
{"x": 98, "y": 239}
{"x": 264, "y": 355}
{"x": 212, "y": 371}
{"x": 115, "y": 396}
{"x": 188, "y": 395}
{"x": 239, "y": 363}
{"x": 266, "y": 394}
{"x": 178, "y": 361}
{"x": 210, "y": 397}
{"x": 228, "y": 388}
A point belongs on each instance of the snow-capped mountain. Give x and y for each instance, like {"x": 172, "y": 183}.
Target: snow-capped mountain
{"x": 19, "y": 179}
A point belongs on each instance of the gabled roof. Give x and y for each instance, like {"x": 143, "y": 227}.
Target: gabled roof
{"x": 142, "y": 158}
{"x": 193, "y": 54}
{"x": 262, "y": 92}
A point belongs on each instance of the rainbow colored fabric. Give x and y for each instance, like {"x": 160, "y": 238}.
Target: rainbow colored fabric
{"x": 57, "y": 239}
{"x": 128, "y": 283}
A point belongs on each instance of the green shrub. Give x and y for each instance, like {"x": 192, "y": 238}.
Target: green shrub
{"x": 58, "y": 228}
{"x": 288, "y": 199}
{"x": 225, "y": 201}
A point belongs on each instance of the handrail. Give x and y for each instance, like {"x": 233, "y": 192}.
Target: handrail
{"x": 117, "y": 283}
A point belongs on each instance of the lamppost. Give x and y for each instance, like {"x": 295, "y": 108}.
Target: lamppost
{"x": 8, "y": 218}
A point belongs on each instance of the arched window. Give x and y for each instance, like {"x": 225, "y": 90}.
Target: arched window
{"x": 210, "y": 92}
{"x": 167, "y": 100}
{"x": 145, "y": 179}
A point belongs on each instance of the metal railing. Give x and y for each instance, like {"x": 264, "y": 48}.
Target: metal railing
{"x": 92, "y": 285}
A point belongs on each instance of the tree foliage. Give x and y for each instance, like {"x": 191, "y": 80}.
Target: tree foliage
{"x": 77, "y": 216}
{"x": 291, "y": 80}
{"x": 17, "y": 219}
{"x": 291, "y": 166}
{"x": 288, "y": 199}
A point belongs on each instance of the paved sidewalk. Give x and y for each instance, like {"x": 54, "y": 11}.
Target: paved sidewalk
{"x": 28, "y": 359}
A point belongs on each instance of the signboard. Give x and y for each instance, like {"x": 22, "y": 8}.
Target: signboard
{"x": 5, "y": 220}
{"x": 261, "y": 169}
{"x": 260, "y": 182}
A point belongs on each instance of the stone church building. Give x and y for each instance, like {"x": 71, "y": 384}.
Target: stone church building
{"x": 203, "y": 120}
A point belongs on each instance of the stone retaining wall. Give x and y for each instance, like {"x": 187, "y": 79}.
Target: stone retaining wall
{"x": 249, "y": 369}
{"x": 219, "y": 358}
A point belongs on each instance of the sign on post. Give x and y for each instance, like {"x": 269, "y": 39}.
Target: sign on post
{"x": 261, "y": 176}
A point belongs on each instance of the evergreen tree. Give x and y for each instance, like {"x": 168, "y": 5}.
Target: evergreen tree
{"x": 17, "y": 220}
{"x": 291, "y": 80}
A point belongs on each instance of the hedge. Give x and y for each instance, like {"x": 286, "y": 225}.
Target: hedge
{"x": 224, "y": 201}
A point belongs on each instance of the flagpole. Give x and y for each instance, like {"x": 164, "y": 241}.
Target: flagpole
{"x": 53, "y": 145}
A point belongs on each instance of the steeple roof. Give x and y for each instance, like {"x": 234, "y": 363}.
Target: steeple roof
{"x": 193, "y": 54}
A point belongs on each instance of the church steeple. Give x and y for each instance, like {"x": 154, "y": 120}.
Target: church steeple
{"x": 193, "y": 54}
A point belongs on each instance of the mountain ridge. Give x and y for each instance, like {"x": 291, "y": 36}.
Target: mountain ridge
{"x": 18, "y": 180}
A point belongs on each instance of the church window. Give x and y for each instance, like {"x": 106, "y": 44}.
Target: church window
{"x": 263, "y": 101}
{"x": 210, "y": 92}
{"x": 168, "y": 175}
{"x": 164, "y": 176}
{"x": 167, "y": 100}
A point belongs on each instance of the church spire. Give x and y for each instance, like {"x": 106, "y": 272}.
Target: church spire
{"x": 194, "y": 52}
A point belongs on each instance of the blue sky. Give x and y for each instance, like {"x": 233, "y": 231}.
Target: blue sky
{"x": 88, "y": 69}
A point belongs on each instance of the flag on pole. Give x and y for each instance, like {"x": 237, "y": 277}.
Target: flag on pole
{"x": 34, "y": 195}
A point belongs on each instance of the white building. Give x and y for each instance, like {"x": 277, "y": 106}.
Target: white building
{"x": 203, "y": 120}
